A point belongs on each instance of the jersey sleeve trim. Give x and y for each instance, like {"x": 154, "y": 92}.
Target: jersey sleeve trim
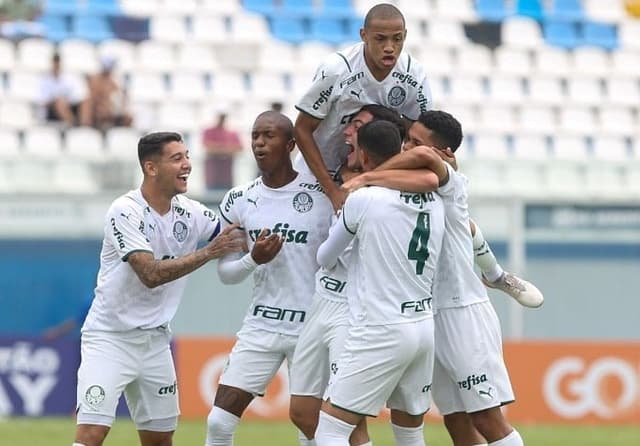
{"x": 345, "y": 225}
{"x": 216, "y": 231}
{"x": 223, "y": 216}
{"x": 126, "y": 256}
{"x": 307, "y": 113}
{"x": 345, "y": 61}
{"x": 408, "y": 63}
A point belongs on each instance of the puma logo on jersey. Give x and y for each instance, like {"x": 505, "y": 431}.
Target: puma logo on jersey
{"x": 356, "y": 93}
{"x": 288, "y": 235}
{"x": 253, "y": 202}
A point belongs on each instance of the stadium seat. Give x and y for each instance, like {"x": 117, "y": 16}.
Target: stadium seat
{"x": 101, "y": 7}
{"x": 43, "y": 142}
{"x": 513, "y": 61}
{"x": 55, "y": 26}
{"x": 420, "y": 10}
{"x": 73, "y": 176}
{"x": 10, "y": 143}
{"x": 475, "y": 59}
{"x": 591, "y": 61}
{"x": 625, "y": 62}
{"x": 529, "y": 8}
{"x": 550, "y": 60}
{"x": 523, "y": 178}
{"x": 561, "y": 34}
{"x": 496, "y": 118}
{"x": 90, "y": 27}
{"x": 521, "y": 32}
{"x": 577, "y": 120}
{"x": 155, "y": 57}
{"x": 288, "y": 29}
{"x": 600, "y": 34}
{"x": 123, "y": 52}
{"x": 447, "y": 33}
{"x": 457, "y": 10}
{"x": 297, "y": 8}
{"x": 505, "y": 89}
{"x": 268, "y": 86}
{"x": 570, "y": 148}
{"x": 603, "y": 180}
{"x": 179, "y": 8}
{"x": 188, "y": 87}
{"x": 31, "y": 175}
{"x": 493, "y": 10}
{"x": 256, "y": 23}
{"x": 60, "y": 7}
{"x": 7, "y": 55}
{"x": 130, "y": 28}
{"x": 327, "y": 29}
{"x": 440, "y": 60}
{"x": 308, "y": 55}
{"x": 35, "y": 54}
{"x": 24, "y": 86}
{"x": 209, "y": 29}
{"x": 564, "y": 180}
{"x": 342, "y": 9}
{"x": 490, "y": 146}
{"x": 585, "y": 91}
{"x": 623, "y": 91}
{"x": 196, "y": 57}
{"x": 147, "y": 87}
{"x": 611, "y": 148}
{"x": 629, "y": 34}
{"x": 546, "y": 90}
{"x": 565, "y": 10}
{"x": 78, "y": 56}
{"x": 612, "y": 12}
{"x": 139, "y": 8}
{"x": 168, "y": 28}
{"x": 278, "y": 56}
{"x": 179, "y": 116}
{"x": 264, "y": 7}
{"x": 537, "y": 120}
{"x": 220, "y": 7}
{"x": 16, "y": 114}
{"x": 617, "y": 121}
{"x": 122, "y": 142}
{"x": 84, "y": 143}
{"x": 229, "y": 85}
{"x": 467, "y": 90}
{"x": 531, "y": 147}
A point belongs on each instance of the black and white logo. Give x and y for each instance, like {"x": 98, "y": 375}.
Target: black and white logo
{"x": 180, "y": 231}
{"x": 396, "y": 96}
{"x": 94, "y": 396}
{"x": 302, "y": 202}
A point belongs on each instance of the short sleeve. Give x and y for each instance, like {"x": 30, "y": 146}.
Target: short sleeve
{"x": 319, "y": 98}
{"x": 354, "y": 209}
{"x": 126, "y": 230}
{"x": 208, "y": 221}
{"x": 228, "y": 208}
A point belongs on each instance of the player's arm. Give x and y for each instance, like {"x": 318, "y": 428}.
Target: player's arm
{"x": 153, "y": 272}
{"x": 343, "y": 230}
{"x": 304, "y": 128}
{"x": 234, "y": 269}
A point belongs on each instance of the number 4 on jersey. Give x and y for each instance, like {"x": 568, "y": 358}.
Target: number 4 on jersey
{"x": 419, "y": 240}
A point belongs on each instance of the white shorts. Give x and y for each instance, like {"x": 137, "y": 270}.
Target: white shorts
{"x": 319, "y": 345}
{"x": 469, "y": 373}
{"x": 136, "y": 362}
{"x": 392, "y": 364}
{"x": 255, "y": 359}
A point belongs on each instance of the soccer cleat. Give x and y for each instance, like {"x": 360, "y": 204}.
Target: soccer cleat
{"x": 525, "y": 293}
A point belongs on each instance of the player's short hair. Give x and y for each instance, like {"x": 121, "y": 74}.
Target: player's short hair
{"x": 380, "y": 139}
{"x": 383, "y": 11}
{"x": 152, "y": 144}
{"x": 282, "y": 120}
{"x": 382, "y": 113}
{"x": 447, "y": 131}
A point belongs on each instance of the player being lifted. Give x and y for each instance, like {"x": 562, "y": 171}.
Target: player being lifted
{"x": 375, "y": 71}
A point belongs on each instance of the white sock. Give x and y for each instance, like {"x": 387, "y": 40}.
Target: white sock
{"x": 484, "y": 257}
{"x": 332, "y": 431}
{"x": 304, "y": 441}
{"x": 408, "y": 436}
{"x": 77, "y": 444}
{"x": 220, "y": 427}
{"x": 513, "y": 439}
{"x": 368, "y": 443}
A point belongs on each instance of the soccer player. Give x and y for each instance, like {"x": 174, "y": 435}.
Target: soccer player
{"x": 470, "y": 379}
{"x": 388, "y": 353}
{"x": 286, "y": 216}
{"x": 323, "y": 334}
{"x": 150, "y": 245}
{"x": 375, "y": 71}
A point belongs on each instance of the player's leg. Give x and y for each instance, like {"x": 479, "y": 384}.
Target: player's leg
{"x": 493, "y": 426}
{"x": 493, "y": 276}
{"x": 153, "y": 397}
{"x": 107, "y": 366}
{"x": 304, "y": 411}
{"x": 335, "y": 425}
{"x": 462, "y": 431}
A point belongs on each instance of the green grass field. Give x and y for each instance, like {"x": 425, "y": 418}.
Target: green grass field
{"x": 59, "y": 431}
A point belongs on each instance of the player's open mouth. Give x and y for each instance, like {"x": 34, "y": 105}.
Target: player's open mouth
{"x": 388, "y": 61}
{"x": 184, "y": 177}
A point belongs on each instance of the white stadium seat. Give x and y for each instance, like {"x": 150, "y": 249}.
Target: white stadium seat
{"x": 155, "y": 56}
{"x": 35, "y": 54}
{"x": 577, "y": 120}
{"x": 122, "y": 142}
{"x": 43, "y": 142}
{"x": 168, "y": 28}
{"x": 521, "y": 32}
{"x": 513, "y": 61}
{"x": 85, "y": 143}
{"x": 7, "y": 55}
{"x": 122, "y": 51}
{"x": 78, "y": 56}
{"x": 16, "y": 114}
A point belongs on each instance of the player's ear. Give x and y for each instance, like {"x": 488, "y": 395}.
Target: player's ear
{"x": 363, "y": 34}
{"x": 149, "y": 168}
{"x": 291, "y": 144}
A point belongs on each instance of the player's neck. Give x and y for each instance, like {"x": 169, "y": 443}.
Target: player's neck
{"x": 157, "y": 200}
{"x": 378, "y": 74}
{"x": 280, "y": 178}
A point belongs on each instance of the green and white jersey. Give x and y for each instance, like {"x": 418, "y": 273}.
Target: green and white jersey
{"x": 457, "y": 284}
{"x": 396, "y": 245}
{"x": 283, "y": 288}
{"x": 343, "y": 84}
{"x": 122, "y": 302}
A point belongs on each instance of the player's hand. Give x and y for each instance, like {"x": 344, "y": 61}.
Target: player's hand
{"x": 337, "y": 198}
{"x": 231, "y": 239}
{"x": 448, "y": 157}
{"x": 354, "y": 183}
{"x": 266, "y": 247}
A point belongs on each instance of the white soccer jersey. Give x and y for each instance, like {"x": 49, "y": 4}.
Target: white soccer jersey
{"x": 331, "y": 283}
{"x": 283, "y": 288}
{"x": 122, "y": 302}
{"x": 343, "y": 84}
{"x": 456, "y": 284}
{"x": 395, "y": 250}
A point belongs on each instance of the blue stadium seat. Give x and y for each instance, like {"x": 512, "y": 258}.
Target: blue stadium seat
{"x": 133, "y": 29}
{"x": 529, "y": 8}
{"x": 600, "y": 34}
{"x": 568, "y": 10}
{"x": 57, "y": 28}
{"x": 266, "y": 7}
{"x": 60, "y": 7}
{"x": 328, "y": 29}
{"x": 288, "y": 29}
{"x": 102, "y": 7}
{"x": 492, "y": 10}
{"x": 561, "y": 33}
{"x": 353, "y": 28}
{"x": 337, "y": 8}
{"x": 298, "y": 8}
{"x": 92, "y": 28}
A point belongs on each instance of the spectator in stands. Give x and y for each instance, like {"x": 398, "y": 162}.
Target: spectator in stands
{"x": 62, "y": 99}
{"x": 222, "y": 145}
{"x": 108, "y": 98}
{"x": 17, "y": 19}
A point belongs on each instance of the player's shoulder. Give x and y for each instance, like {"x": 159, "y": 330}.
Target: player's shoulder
{"x": 409, "y": 64}
{"x": 238, "y": 195}
{"x": 129, "y": 202}
{"x": 342, "y": 62}
{"x": 187, "y": 207}
{"x": 307, "y": 182}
